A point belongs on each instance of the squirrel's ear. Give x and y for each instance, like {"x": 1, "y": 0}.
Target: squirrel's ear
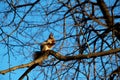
{"x": 51, "y": 34}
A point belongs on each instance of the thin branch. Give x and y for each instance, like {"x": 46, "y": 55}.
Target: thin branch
{"x": 113, "y": 74}
{"x": 24, "y": 5}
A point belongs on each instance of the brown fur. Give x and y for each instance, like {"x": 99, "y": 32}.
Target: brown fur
{"x": 48, "y": 44}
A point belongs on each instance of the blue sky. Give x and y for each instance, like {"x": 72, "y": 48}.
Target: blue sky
{"x": 29, "y": 35}
{"x": 31, "y": 32}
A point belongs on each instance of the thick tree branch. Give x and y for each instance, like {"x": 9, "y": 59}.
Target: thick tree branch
{"x": 105, "y": 11}
{"x": 27, "y": 71}
{"x": 37, "y": 61}
{"x": 39, "y": 57}
{"x": 62, "y": 58}
{"x": 86, "y": 56}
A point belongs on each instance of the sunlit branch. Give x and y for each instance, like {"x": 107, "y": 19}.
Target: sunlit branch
{"x": 37, "y": 61}
{"x": 62, "y": 58}
{"x": 84, "y": 56}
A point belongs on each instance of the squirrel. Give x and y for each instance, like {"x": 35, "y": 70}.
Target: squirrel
{"x": 45, "y": 46}
{"x": 48, "y": 44}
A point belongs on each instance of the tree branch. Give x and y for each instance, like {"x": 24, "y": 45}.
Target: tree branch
{"x": 62, "y": 58}
{"x": 105, "y": 11}
{"x": 37, "y": 61}
{"x": 114, "y": 73}
{"x": 27, "y": 71}
{"x": 24, "y": 5}
{"x": 83, "y": 56}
